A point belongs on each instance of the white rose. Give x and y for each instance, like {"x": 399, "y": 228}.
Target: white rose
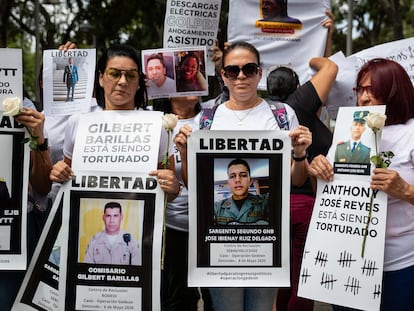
{"x": 169, "y": 121}
{"x": 375, "y": 120}
{"x": 12, "y": 106}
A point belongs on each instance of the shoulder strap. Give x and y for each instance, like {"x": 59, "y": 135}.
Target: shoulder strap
{"x": 279, "y": 111}
{"x": 207, "y": 115}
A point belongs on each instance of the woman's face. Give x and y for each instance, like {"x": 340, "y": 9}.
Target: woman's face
{"x": 364, "y": 94}
{"x": 189, "y": 68}
{"x": 119, "y": 95}
{"x": 241, "y": 88}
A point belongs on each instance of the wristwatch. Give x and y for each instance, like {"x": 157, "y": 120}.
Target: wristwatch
{"x": 44, "y": 146}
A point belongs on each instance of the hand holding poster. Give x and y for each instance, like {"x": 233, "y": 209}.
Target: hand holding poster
{"x": 68, "y": 78}
{"x": 239, "y": 246}
{"x": 335, "y": 271}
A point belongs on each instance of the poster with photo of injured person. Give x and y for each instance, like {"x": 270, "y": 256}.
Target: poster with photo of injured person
{"x": 245, "y": 245}
{"x": 286, "y": 33}
{"x": 112, "y": 235}
{"x": 39, "y": 289}
{"x": 335, "y": 269}
{"x": 68, "y": 81}
{"x": 14, "y": 168}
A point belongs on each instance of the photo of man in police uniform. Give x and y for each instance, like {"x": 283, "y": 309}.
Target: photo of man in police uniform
{"x": 241, "y": 207}
{"x": 353, "y": 150}
{"x": 112, "y": 245}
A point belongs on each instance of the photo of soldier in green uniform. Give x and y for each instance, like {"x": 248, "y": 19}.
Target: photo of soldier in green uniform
{"x": 242, "y": 207}
{"x": 353, "y": 150}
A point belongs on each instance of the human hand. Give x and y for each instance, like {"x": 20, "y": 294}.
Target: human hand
{"x": 321, "y": 168}
{"x": 34, "y": 121}
{"x": 67, "y": 46}
{"x": 390, "y": 182}
{"x": 61, "y": 172}
{"x": 301, "y": 140}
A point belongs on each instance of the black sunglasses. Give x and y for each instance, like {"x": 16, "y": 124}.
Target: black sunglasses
{"x": 249, "y": 70}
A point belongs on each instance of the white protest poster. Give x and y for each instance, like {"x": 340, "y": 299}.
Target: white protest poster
{"x": 334, "y": 268}
{"x": 252, "y": 248}
{"x": 14, "y": 168}
{"x": 175, "y": 72}
{"x": 117, "y": 141}
{"x": 192, "y": 23}
{"x": 68, "y": 78}
{"x": 126, "y": 276}
{"x": 286, "y": 33}
{"x": 39, "y": 289}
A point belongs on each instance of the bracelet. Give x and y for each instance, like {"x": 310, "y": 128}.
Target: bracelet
{"x": 299, "y": 159}
{"x": 179, "y": 190}
{"x": 44, "y": 146}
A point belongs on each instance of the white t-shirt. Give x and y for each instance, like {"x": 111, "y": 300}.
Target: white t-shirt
{"x": 399, "y": 239}
{"x": 259, "y": 118}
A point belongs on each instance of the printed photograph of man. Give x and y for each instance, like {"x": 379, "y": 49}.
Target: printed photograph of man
{"x": 159, "y": 83}
{"x": 353, "y": 150}
{"x": 241, "y": 207}
{"x": 112, "y": 245}
{"x": 276, "y": 11}
{"x": 70, "y": 76}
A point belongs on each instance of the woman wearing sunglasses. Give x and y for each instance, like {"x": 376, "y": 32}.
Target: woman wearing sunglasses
{"x": 245, "y": 110}
{"x": 119, "y": 85}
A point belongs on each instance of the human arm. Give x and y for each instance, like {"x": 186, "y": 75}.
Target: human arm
{"x": 325, "y": 76}
{"x": 41, "y": 164}
{"x": 301, "y": 140}
{"x": 328, "y": 23}
{"x": 393, "y": 184}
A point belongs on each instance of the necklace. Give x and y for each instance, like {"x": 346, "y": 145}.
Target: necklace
{"x": 240, "y": 122}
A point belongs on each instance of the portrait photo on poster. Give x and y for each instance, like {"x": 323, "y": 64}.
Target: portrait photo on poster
{"x": 112, "y": 230}
{"x": 159, "y": 70}
{"x": 243, "y": 205}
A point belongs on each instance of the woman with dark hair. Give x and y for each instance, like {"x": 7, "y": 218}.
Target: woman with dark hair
{"x": 119, "y": 85}
{"x": 385, "y": 82}
{"x": 245, "y": 110}
{"x": 189, "y": 76}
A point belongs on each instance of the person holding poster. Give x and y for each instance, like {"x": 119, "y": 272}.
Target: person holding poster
{"x": 245, "y": 110}
{"x": 189, "y": 76}
{"x": 120, "y": 85}
{"x": 159, "y": 83}
{"x": 175, "y": 293}
{"x": 385, "y": 82}
{"x": 307, "y": 100}
{"x": 112, "y": 245}
{"x": 242, "y": 207}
